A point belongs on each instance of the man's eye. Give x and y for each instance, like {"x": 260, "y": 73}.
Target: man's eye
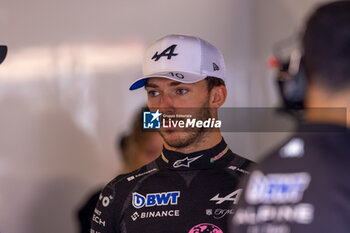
{"x": 153, "y": 93}
{"x": 181, "y": 91}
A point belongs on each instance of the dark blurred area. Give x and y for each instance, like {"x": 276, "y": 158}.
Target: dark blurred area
{"x": 3, "y": 53}
{"x": 287, "y": 61}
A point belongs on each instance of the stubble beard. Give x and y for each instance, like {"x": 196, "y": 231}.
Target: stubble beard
{"x": 185, "y": 138}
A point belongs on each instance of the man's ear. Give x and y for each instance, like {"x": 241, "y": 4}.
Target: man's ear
{"x": 217, "y": 96}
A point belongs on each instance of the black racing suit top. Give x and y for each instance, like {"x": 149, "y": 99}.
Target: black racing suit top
{"x": 303, "y": 186}
{"x": 176, "y": 193}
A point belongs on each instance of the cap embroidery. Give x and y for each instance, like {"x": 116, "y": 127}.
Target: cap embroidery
{"x": 215, "y": 67}
{"x": 168, "y": 52}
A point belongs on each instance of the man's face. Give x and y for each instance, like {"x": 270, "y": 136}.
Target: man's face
{"x": 173, "y": 97}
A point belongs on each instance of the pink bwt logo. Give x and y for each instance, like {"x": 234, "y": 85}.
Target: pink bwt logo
{"x": 206, "y": 228}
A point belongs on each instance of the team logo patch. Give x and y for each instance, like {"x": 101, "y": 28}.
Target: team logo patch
{"x": 185, "y": 162}
{"x": 293, "y": 149}
{"x": 135, "y": 216}
{"x": 106, "y": 200}
{"x": 220, "y": 213}
{"x": 276, "y": 188}
{"x": 277, "y": 215}
{"x": 155, "y": 199}
{"x": 233, "y": 197}
{"x": 155, "y": 214}
{"x": 151, "y": 120}
{"x": 133, "y": 177}
{"x": 168, "y": 53}
{"x": 205, "y": 227}
{"x": 234, "y": 168}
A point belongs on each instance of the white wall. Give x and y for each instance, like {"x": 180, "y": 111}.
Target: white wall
{"x": 64, "y": 89}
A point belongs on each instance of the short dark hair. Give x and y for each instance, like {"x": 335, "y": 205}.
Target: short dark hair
{"x": 213, "y": 82}
{"x": 326, "y": 44}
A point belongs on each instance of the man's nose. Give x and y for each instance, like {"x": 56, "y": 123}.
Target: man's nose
{"x": 166, "y": 103}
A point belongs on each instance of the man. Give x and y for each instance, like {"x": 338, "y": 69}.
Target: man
{"x": 192, "y": 185}
{"x": 303, "y": 186}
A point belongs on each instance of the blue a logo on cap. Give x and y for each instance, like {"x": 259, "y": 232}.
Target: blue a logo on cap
{"x": 151, "y": 120}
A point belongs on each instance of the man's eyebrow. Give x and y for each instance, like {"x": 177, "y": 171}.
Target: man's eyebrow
{"x": 174, "y": 83}
{"x": 150, "y": 85}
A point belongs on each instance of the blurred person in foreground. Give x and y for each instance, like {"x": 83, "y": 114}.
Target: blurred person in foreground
{"x": 137, "y": 148}
{"x": 303, "y": 185}
{"x": 191, "y": 186}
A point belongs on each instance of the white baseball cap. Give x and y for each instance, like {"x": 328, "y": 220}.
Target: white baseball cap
{"x": 186, "y": 59}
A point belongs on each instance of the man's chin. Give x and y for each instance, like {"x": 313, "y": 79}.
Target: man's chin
{"x": 173, "y": 135}
{"x": 178, "y": 138}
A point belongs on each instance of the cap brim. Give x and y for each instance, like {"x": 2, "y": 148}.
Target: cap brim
{"x": 3, "y": 52}
{"x": 183, "y": 77}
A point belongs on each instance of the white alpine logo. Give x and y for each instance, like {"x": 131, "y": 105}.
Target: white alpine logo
{"x": 185, "y": 162}
{"x": 234, "y": 197}
{"x": 293, "y": 149}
